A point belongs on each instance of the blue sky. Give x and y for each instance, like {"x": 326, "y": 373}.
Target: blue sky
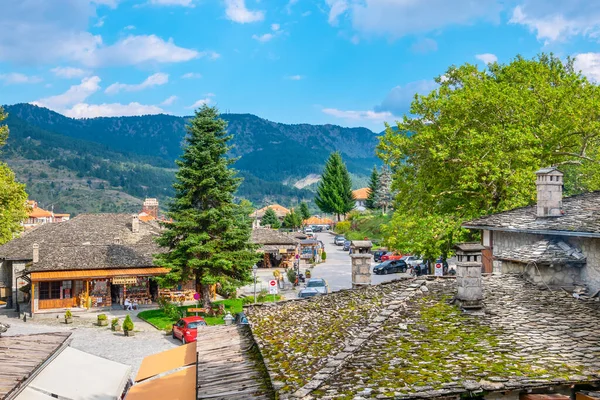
{"x": 345, "y": 62}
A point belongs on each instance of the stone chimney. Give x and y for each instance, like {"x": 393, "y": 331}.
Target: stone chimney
{"x": 36, "y": 253}
{"x": 135, "y": 224}
{"x": 468, "y": 275}
{"x": 117, "y": 240}
{"x": 361, "y": 263}
{"x": 549, "y": 192}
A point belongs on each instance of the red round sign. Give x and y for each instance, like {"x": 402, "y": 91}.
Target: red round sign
{"x": 272, "y": 283}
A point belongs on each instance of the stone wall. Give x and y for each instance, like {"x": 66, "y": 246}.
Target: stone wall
{"x": 361, "y": 270}
{"x": 551, "y": 275}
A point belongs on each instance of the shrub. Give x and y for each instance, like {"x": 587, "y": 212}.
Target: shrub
{"x": 68, "y": 314}
{"x": 102, "y": 317}
{"x": 114, "y": 322}
{"x": 342, "y": 227}
{"x": 291, "y": 275}
{"x": 169, "y": 309}
{"x": 128, "y": 324}
{"x": 323, "y": 255}
{"x": 228, "y": 290}
{"x": 248, "y": 300}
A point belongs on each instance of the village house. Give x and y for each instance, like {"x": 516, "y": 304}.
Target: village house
{"x": 473, "y": 336}
{"x": 280, "y": 211}
{"x": 279, "y": 248}
{"x": 90, "y": 261}
{"x": 37, "y": 216}
{"x": 360, "y": 197}
{"x": 555, "y": 242}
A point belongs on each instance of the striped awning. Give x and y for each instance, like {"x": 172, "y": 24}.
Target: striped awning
{"x": 96, "y": 273}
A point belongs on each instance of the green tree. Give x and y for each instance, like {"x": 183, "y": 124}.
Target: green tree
{"x": 13, "y": 198}
{"x": 472, "y": 145}
{"x": 373, "y": 185}
{"x": 293, "y": 220}
{"x": 270, "y": 218}
{"x": 383, "y": 195}
{"x": 334, "y": 193}
{"x": 304, "y": 211}
{"x": 209, "y": 236}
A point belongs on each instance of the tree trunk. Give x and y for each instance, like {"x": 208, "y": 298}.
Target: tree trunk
{"x": 205, "y": 293}
{"x": 339, "y": 218}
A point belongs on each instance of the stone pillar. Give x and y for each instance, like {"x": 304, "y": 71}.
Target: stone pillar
{"x": 468, "y": 275}
{"x": 361, "y": 263}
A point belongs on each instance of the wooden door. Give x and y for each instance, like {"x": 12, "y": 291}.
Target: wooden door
{"x": 487, "y": 260}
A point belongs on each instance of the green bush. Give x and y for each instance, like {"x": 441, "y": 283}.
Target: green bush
{"x": 323, "y": 255}
{"x": 68, "y": 314}
{"x": 342, "y": 227}
{"x": 247, "y": 300}
{"x": 102, "y": 317}
{"x": 114, "y": 322}
{"x": 228, "y": 290}
{"x": 170, "y": 309}
{"x": 291, "y": 275}
{"x": 128, "y": 324}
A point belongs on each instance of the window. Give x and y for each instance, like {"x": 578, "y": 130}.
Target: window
{"x": 49, "y": 290}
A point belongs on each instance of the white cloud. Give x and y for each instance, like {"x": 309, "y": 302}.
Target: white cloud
{"x": 183, "y": 3}
{"x": 75, "y": 94}
{"x": 295, "y": 77}
{"x": 589, "y": 65}
{"x": 306, "y": 13}
{"x": 559, "y": 20}
{"x": 398, "y": 100}
{"x": 371, "y": 116}
{"x": 200, "y": 103}
{"x": 18, "y": 78}
{"x": 236, "y": 11}
{"x": 395, "y": 19}
{"x": 84, "y": 110}
{"x": 424, "y": 45}
{"x": 275, "y": 27}
{"x": 168, "y": 101}
{"x": 210, "y": 95}
{"x": 153, "y": 80}
{"x": 487, "y": 58}
{"x": 108, "y": 3}
{"x": 100, "y": 22}
{"x": 69, "y": 72}
{"x": 129, "y": 27}
{"x": 263, "y": 38}
{"x": 191, "y": 75}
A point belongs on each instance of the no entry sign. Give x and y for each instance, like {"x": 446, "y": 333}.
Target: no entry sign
{"x": 273, "y": 286}
{"x": 439, "y": 269}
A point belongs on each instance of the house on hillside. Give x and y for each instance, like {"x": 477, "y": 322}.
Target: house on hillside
{"x": 38, "y": 216}
{"x": 555, "y": 242}
{"x": 92, "y": 260}
{"x": 360, "y": 197}
{"x": 280, "y": 211}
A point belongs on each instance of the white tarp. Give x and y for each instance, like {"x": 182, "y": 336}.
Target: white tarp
{"x": 77, "y": 375}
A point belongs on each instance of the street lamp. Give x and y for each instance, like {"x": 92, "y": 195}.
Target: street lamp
{"x": 254, "y": 271}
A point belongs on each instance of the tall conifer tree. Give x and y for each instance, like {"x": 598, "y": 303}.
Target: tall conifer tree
{"x": 334, "y": 193}
{"x": 373, "y": 185}
{"x": 209, "y": 236}
{"x": 270, "y": 218}
{"x": 304, "y": 211}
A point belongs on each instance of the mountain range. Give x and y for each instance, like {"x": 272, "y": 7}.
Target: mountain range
{"x": 112, "y": 163}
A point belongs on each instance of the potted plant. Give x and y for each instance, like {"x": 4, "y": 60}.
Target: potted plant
{"x": 68, "y": 317}
{"x": 114, "y": 324}
{"x": 128, "y": 326}
{"x": 102, "y": 320}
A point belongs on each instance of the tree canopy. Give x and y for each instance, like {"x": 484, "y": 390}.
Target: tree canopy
{"x": 472, "y": 145}
{"x": 334, "y": 193}
{"x": 383, "y": 194}
{"x": 293, "y": 220}
{"x": 304, "y": 211}
{"x": 209, "y": 236}
{"x": 373, "y": 185}
{"x": 270, "y": 218}
{"x": 13, "y": 198}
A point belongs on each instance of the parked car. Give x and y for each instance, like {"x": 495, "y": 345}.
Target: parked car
{"x": 339, "y": 240}
{"x": 413, "y": 260}
{"x": 308, "y": 292}
{"x": 318, "y": 284}
{"x": 390, "y": 267}
{"x": 377, "y": 255}
{"x": 391, "y": 256}
{"x": 186, "y": 329}
{"x": 317, "y": 228}
{"x": 347, "y": 245}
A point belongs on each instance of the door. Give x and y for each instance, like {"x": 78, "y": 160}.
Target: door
{"x": 487, "y": 261}
{"x": 178, "y": 329}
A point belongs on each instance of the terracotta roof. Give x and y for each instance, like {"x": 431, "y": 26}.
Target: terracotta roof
{"x": 544, "y": 252}
{"x": 318, "y": 221}
{"x": 581, "y": 218}
{"x": 37, "y": 212}
{"x": 404, "y": 340}
{"x": 361, "y": 194}
{"x": 146, "y": 217}
{"x": 62, "y": 215}
{"x": 280, "y": 211}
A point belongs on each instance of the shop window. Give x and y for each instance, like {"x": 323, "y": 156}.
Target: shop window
{"x": 67, "y": 292}
{"x": 49, "y": 290}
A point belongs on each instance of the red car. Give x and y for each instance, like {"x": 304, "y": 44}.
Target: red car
{"x": 391, "y": 256}
{"x": 186, "y": 329}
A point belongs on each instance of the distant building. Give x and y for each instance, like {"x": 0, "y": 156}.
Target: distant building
{"x": 38, "y": 216}
{"x": 150, "y": 207}
{"x": 360, "y": 198}
{"x": 280, "y": 211}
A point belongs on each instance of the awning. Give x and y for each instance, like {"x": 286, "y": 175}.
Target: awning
{"x": 177, "y": 357}
{"x": 96, "y": 273}
{"x": 77, "y": 375}
{"x": 180, "y": 385}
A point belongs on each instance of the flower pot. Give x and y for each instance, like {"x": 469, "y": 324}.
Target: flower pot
{"x": 103, "y": 322}
{"x": 116, "y": 327}
{"x": 129, "y": 333}
{"x": 68, "y": 320}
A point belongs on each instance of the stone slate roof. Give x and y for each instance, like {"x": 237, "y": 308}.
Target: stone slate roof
{"x": 405, "y": 340}
{"x": 271, "y": 236}
{"x": 544, "y": 252}
{"x": 87, "y": 241}
{"x": 581, "y": 216}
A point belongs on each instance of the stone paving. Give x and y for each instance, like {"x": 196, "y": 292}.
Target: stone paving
{"x": 415, "y": 343}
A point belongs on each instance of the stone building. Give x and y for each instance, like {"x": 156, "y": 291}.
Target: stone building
{"x": 555, "y": 242}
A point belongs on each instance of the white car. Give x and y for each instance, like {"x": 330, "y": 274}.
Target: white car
{"x": 412, "y": 261}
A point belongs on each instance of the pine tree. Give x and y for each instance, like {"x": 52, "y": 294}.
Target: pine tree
{"x": 304, "y": 211}
{"x": 13, "y": 198}
{"x": 270, "y": 218}
{"x": 383, "y": 194}
{"x": 209, "y": 236}
{"x": 373, "y": 185}
{"x": 334, "y": 193}
{"x": 293, "y": 220}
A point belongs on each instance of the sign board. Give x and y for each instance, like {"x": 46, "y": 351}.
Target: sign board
{"x": 282, "y": 251}
{"x": 124, "y": 280}
{"x": 196, "y": 296}
{"x": 273, "y": 287}
{"x": 439, "y": 269}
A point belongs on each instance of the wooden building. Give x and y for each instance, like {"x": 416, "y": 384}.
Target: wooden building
{"x": 279, "y": 248}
